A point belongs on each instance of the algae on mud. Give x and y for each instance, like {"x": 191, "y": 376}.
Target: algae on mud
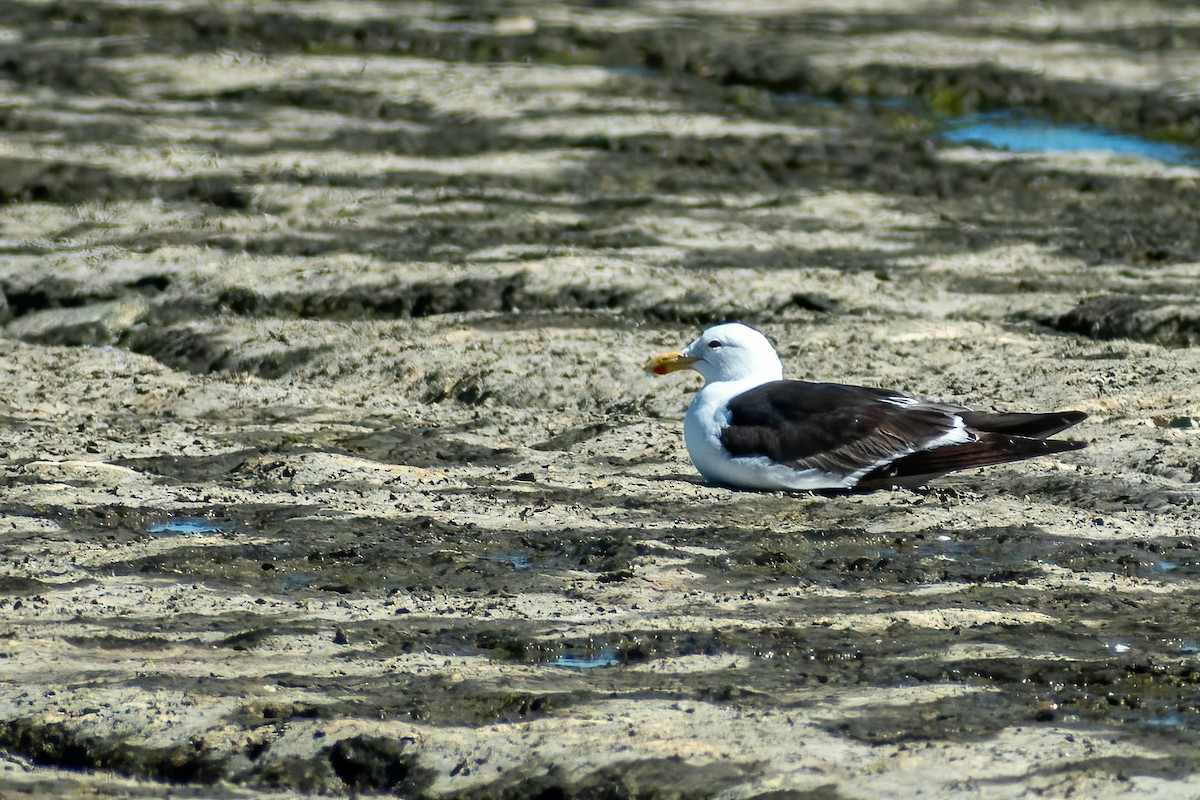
{"x": 329, "y": 466}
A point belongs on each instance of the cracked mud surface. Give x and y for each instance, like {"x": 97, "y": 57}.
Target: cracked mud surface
{"x": 329, "y": 465}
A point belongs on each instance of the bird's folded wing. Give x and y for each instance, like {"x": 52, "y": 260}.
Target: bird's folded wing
{"x": 835, "y": 428}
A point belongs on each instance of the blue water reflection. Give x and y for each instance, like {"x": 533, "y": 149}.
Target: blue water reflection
{"x": 1012, "y": 131}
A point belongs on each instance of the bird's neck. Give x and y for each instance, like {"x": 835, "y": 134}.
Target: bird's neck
{"x": 749, "y": 378}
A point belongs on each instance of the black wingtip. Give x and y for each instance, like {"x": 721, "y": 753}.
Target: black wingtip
{"x": 988, "y": 450}
{"x": 1034, "y": 426}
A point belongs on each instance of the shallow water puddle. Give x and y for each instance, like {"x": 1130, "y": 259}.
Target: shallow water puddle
{"x": 1019, "y": 133}
{"x": 605, "y": 658}
{"x": 185, "y": 525}
{"x": 518, "y": 562}
{"x": 1172, "y": 720}
{"x": 1187, "y": 647}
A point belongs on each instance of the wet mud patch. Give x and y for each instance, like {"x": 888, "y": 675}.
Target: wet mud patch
{"x": 118, "y": 522}
{"x": 970, "y": 715}
{"x": 423, "y": 447}
{"x": 293, "y": 552}
{"x": 115, "y": 523}
{"x": 849, "y": 557}
{"x": 1137, "y": 692}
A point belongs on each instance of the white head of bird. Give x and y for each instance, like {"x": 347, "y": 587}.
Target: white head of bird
{"x": 727, "y": 352}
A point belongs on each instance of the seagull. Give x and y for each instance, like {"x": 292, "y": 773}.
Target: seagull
{"x": 748, "y": 428}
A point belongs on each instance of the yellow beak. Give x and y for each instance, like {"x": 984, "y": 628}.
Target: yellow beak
{"x": 663, "y": 363}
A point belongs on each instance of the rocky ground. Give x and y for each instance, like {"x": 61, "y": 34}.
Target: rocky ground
{"x": 329, "y": 464}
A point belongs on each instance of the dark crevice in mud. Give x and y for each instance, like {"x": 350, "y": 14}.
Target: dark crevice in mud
{"x": 440, "y": 238}
{"x": 849, "y": 260}
{"x": 378, "y": 764}
{"x": 56, "y": 744}
{"x": 1148, "y": 38}
{"x": 59, "y": 66}
{"x": 186, "y": 469}
{"x": 205, "y": 347}
{"x": 27, "y": 297}
{"x": 109, "y": 642}
{"x": 646, "y": 779}
{"x": 596, "y": 319}
{"x": 318, "y": 97}
{"x": 308, "y": 776}
{"x": 82, "y": 130}
{"x": 214, "y": 29}
{"x": 415, "y": 446}
{"x": 15, "y": 584}
{"x": 200, "y": 352}
{"x": 26, "y": 180}
{"x": 359, "y": 765}
{"x": 383, "y": 302}
{"x": 430, "y": 699}
{"x": 1174, "y": 323}
{"x": 447, "y": 138}
{"x": 1118, "y": 769}
{"x": 49, "y": 293}
{"x": 258, "y": 461}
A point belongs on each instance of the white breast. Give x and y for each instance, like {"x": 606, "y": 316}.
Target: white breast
{"x": 708, "y": 415}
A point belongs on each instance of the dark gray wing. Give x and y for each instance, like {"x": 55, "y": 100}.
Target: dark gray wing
{"x": 831, "y": 427}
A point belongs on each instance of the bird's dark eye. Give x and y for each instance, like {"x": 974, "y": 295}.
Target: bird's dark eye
{"x": 714, "y": 344}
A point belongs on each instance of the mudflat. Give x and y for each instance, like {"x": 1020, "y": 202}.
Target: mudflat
{"x": 330, "y": 465}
